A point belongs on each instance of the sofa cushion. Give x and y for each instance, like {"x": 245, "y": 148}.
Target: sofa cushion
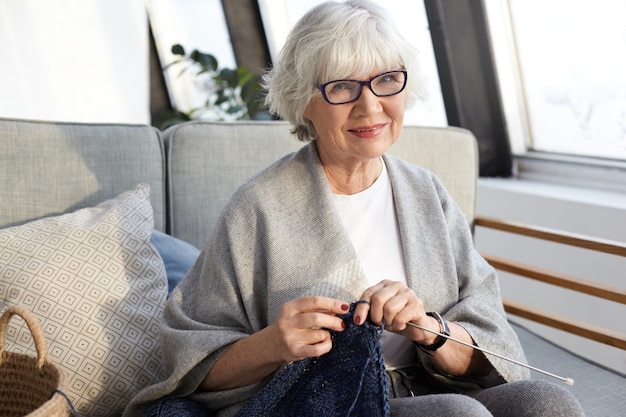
{"x": 51, "y": 168}
{"x": 98, "y": 286}
{"x": 178, "y": 256}
{"x": 208, "y": 161}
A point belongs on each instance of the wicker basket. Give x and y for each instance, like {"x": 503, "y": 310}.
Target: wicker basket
{"x": 28, "y": 383}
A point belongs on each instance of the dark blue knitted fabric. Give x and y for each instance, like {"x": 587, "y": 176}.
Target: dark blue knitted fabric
{"x": 347, "y": 381}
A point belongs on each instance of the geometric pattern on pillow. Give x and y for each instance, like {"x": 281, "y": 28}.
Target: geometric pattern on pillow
{"x": 98, "y": 287}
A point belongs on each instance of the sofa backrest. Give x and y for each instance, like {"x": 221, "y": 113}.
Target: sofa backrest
{"x": 50, "y": 168}
{"x": 207, "y": 161}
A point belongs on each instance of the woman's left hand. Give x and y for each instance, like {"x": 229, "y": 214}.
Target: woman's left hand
{"x": 397, "y": 304}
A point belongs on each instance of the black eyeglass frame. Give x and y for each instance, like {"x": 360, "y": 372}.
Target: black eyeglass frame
{"x": 368, "y": 83}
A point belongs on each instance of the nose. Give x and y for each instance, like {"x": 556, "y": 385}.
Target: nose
{"x": 368, "y": 102}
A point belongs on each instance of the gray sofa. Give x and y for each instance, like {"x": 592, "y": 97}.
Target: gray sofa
{"x": 97, "y": 275}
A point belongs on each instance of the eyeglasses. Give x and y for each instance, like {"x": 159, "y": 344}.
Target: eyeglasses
{"x": 386, "y": 84}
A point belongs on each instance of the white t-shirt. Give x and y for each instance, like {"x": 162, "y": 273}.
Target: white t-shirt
{"x": 370, "y": 219}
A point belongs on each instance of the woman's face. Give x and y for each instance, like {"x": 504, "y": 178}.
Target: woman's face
{"x": 354, "y": 133}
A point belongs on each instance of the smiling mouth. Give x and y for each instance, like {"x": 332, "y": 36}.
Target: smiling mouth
{"x": 367, "y": 129}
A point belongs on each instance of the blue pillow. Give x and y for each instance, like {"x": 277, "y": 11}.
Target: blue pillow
{"x": 178, "y": 256}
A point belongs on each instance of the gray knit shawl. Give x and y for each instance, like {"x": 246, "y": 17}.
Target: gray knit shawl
{"x": 280, "y": 238}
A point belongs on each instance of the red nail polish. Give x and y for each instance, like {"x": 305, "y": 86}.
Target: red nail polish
{"x": 343, "y": 324}
{"x": 357, "y": 320}
{"x": 345, "y": 307}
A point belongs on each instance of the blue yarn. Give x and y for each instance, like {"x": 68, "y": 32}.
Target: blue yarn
{"x": 348, "y": 381}
{"x": 64, "y": 395}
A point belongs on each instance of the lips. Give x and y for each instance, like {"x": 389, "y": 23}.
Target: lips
{"x": 364, "y": 130}
{"x": 367, "y": 131}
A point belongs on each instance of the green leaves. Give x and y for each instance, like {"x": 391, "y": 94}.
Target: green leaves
{"x": 230, "y": 77}
{"x": 178, "y": 50}
{"x": 207, "y": 62}
{"x": 232, "y": 94}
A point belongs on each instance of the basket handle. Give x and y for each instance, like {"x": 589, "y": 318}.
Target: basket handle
{"x": 34, "y": 327}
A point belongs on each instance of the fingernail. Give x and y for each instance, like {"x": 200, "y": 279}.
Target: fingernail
{"x": 357, "y": 320}
{"x": 345, "y": 307}
{"x": 343, "y": 324}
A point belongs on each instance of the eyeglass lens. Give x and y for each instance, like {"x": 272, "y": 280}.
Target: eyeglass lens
{"x": 345, "y": 91}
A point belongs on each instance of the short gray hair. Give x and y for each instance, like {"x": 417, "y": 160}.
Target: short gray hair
{"x": 335, "y": 41}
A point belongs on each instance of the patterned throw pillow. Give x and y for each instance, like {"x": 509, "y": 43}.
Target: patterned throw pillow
{"x": 98, "y": 287}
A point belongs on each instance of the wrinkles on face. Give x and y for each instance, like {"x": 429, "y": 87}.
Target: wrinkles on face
{"x": 353, "y": 136}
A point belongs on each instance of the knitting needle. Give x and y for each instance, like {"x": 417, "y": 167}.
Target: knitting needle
{"x": 568, "y": 381}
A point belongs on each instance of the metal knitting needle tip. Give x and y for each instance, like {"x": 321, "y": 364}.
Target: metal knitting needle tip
{"x": 568, "y": 381}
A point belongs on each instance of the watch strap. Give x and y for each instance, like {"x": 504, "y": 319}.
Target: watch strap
{"x": 443, "y": 329}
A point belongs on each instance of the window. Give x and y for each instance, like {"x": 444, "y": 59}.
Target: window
{"x": 561, "y": 68}
{"x": 195, "y": 24}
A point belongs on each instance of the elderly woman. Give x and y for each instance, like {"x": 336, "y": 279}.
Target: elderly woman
{"x": 336, "y": 222}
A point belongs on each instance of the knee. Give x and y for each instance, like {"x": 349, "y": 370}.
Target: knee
{"x": 462, "y": 405}
{"x": 531, "y": 398}
{"x": 551, "y": 399}
{"x": 449, "y": 405}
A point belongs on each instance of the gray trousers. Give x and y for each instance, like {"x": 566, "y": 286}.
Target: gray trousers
{"x": 530, "y": 398}
{"x": 409, "y": 397}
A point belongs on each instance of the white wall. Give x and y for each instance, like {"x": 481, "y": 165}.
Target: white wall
{"x": 74, "y": 60}
{"x": 596, "y": 213}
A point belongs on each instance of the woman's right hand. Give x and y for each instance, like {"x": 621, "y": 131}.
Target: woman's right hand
{"x": 300, "y": 331}
{"x": 302, "y": 327}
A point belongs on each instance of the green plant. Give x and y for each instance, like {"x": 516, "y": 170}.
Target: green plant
{"x": 232, "y": 94}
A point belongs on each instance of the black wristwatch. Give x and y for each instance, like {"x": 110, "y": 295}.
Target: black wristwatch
{"x": 443, "y": 329}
